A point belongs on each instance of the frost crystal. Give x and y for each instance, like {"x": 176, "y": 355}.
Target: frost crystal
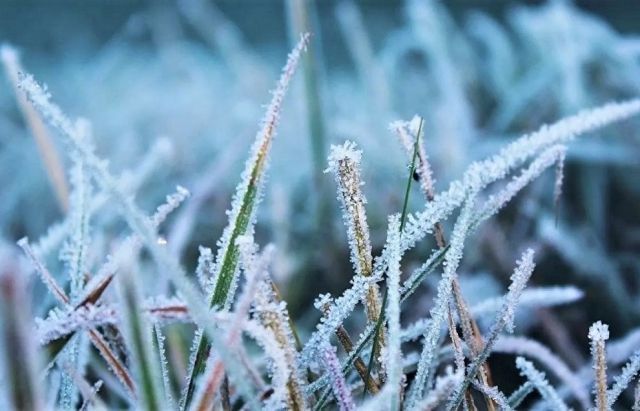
{"x": 344, "y": 161}
{"x": 173, "y": 201}
{"x": 599, "y": 332}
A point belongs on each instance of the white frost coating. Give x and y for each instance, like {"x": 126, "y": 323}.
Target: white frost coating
{"x": 365, "y": 335}
{"x": 278, "y": 367}
{"x": 340, "y": 386}
{"x": 74, "y": 251}
{"x": 256, "y": 165}
{"x": 621, "y": 381}
{"x": 439, "y": 310}
{"x": 321, "y": 301}
{"x": 173, "y": 201}
{"x": 407, "y": 132}
{"x": 548, "y": 157}
{"x": 539, "y": 380}
{"x": 598, "y": 334}
{"x": 343, "y": 152}
{"x": 533, "y": 297}
{"x": 274, "y": 316}
{"x": 166, "y": 379}
{"x": 393, "y": 351}
{"x": 519, "y": 280}
{"x": 255, "y": 268}
{"x": 444, "y": 385}
{"x": 344, "y": 162}
{"x": 339, "y": 309}
{"x": 204, "y": 269}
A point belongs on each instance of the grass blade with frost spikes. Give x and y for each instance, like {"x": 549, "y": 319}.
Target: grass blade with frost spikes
{"x": 598, "y": 334}
{"x": 424, "y": 174}
{"x": 159, "y": 345}
{"x": 516, "y": 398}
{"x": 443, "y": 387}
{"x": 504, "y": 320}
{"x": 340, "y": 386}
{"x": 621, "y": 381}
{"x": 242, "y": 215}
{"x": 344, "y": 162}
{"x": 438, "y": 312}
{"x": 403, "y": 218}
{"x": 45, "y": 275}
{"x": 273, "y": 314}
{"x": 494, "y": 394}
{"x": 394, "y": 353}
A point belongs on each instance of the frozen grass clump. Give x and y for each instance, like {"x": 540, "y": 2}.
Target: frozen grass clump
{"x": 136, "y": 302}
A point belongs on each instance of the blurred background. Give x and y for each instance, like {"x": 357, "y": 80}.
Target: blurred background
{"x": 175, "y": 91}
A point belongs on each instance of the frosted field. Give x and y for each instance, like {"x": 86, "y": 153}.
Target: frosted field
{"x": 410, "y": 205}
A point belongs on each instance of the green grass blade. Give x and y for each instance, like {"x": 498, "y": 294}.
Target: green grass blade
{"x": 138, "y": 335}
{"x": 403, "y": 218}
{"x": 242, "y": 215}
